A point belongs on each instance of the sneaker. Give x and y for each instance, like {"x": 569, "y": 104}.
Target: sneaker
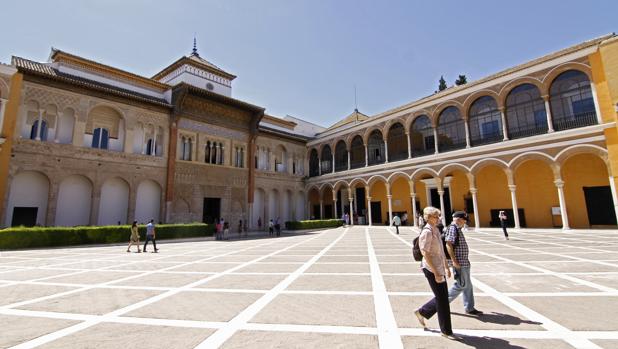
{"x": 420, "y": 318}
{"x": 128, "y": 251}
{"x": 474, "y": 312}
{"x": 451, "y": 336}
{"x": 157, "y": 250}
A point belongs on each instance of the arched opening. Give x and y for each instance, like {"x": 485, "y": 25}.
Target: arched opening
{"x": 329, "y": 207}
{"x": 105, "y": 129}
{"x": 314, "y": 204}
{"x": 525, "y": 112}
{"x": 287, "y": 206}
{"x": 571, "y": 101}
{"x": 401, "y": 200}
{"x": 27, "y": 203}
{"x": 357, "y": 153}
{"x": 274, "y": 205}
{"x": 375, "y": 148}
{"x": 493, "y": 195}
{"x": 326, "y": 160}
{"x": 148, "y": 201}
{"x": 451, "y": 130}
{"x": 74, "y": 201}
{"x": 259, "y": 209}
{"x": 379, "y": 203}
{"x": 536, "y": 195}
{"x": 36, "y": 134}
{"x": 422, "y": 137}
{"x": 314, "y": 163}
{"x": 281, "y": 159}
{"x": 114, "y": 202}
{"x": 485, "y": 121}
{"x": 397, "y": 143}
{"x": 341, "y": 156}
{"x": 587, "y": 192}
{"x": 300, "y": 207}
{"x": 64, "y": 133}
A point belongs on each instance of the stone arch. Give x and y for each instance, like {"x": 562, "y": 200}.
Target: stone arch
{"x": 387, "y": 126}
{"x": 114, "y": 203}
{"x": 397, "y": 141}
{"x": 470, "y": 99}
{"x": 341, "y": 156}
{"x": 375, "y": 147}
{"x": 28, "y": 199}
{"x": 557, "y": 70}
{"x": 443, "y": 106}
{"x": 452, "y": 167}
{"x": 74, "y": 201}
{"x": 66, "y": 125}
{"x": 506, "y": 89}
{"x": 148, "y": 201}
{"x": 370, "y": 130}
{"x": 533, "y": 155}
{"x": 324, "y": 187}
{"x": 377, "y": 178}
{"x": 109, "y": 117}
{"x": 340, "y": 184}
{"x": 396, "y": 175}
{"x": 570, "y": 151}
{"x": 479, "y": 165}
{"x": 424, "y": 171}
{"x": 357, "y": 152}
{"x": 357, "y": 181}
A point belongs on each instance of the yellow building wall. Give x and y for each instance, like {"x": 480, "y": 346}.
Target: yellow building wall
{"x": 459, "y": 188}
{"x": 378, "y": 193}
{"x": 583, "y": 170}
{"x": 536, "y": 193}
{"x": 8, "y": 130}
{"x": 400, "y": 189}
{"x": 493, "y": 192}
{"x": 421, "y": 195}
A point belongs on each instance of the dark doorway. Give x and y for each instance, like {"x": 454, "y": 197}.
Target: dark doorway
{"x": 435, "y": 202}
{"x": 25, "y": 216}
{"x": 360, "y": 201}
{"x": 376, "y": 212}
{"x": 212, "y": 210}
{"x": 316, "y": 212}
{"x": 328, "y": 211}
{"x": 600, "y": 205}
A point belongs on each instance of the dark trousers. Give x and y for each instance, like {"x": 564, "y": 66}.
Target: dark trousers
{"x": 397, "y": 228}
{"x": 438, "y": 304}
{"x": 503, "y": 225}
{"x": 150, "y": 238}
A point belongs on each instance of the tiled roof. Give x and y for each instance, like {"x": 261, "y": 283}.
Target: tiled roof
{"x": 355, "y": 117}
{"x": 46, "y": 70}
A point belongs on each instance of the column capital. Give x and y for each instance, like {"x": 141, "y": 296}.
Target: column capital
{"x": 440, "y": 192}
{"x": 512, "y": 187}
{"x": 473, "y": 190}
{"x": 545, "y": 98}
{"x": 413, "y": 195}
{"x": 350, "y": 198}
{"x": 559, "y": 183}
{"x": 368, "y": 198}
{"x": 389, "y": 196}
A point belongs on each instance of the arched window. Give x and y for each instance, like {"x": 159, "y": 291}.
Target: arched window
{"x": 485, "y": 121}
{"x": 314, "y": 164}
{"x": 327, "y": 160}
{"x": 149, "y": 149}
{"x": 571, "y": 101}
{"x": 375, "y": 146}
{"x": 100, "y": 138}
{"x": 221, "y": 156}
{"x": 34, "y": 131}
{"x": 451, "y": 130}
{"x": 341, "y": 156}
{"x": 213, "y": 153}
{"x": 186, "y": 149}
{"x": 357, "y": 153}
{"x": 525, "y": 112}
{"x": 397, "y": 143}
{"x": 422, "y": 137}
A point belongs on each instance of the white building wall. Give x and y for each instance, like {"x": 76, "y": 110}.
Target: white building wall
{"x": 148, "y": 202}
{"x": 74, "y": 201}
{"x": 114, "y": 202}
{"x": 28, "y": 189}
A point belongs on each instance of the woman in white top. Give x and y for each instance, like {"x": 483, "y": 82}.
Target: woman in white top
{"x": 436, "y": 271}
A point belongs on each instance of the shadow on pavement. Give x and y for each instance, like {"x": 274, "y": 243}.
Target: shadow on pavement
{"x": 499, "y": 318}
{"x": 488, "y": 342}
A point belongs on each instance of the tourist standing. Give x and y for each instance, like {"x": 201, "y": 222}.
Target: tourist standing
{"x": 436, "y": 271}
{"x": 278, "y": 226}
{"x": 239, "y": 228}
{"x": 397, "y": 223}
{"x": 271, "y": 226}
{"x": 151, "y": 236}
{"x": 457, "y": 248}
{"x": 404, "y": 219}
{"x": 259, "y": 223}
{"x": 503, "y": 218}
{"x": 134, "y": 240}
{"x": 226, "y": 230}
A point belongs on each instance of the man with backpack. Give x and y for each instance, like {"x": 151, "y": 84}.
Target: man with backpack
{"x": 457, "y": 248}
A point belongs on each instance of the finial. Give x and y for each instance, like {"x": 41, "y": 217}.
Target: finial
{"x": 194, "y": 52}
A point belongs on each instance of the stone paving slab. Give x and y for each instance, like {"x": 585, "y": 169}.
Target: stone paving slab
{"x": 267, "y": 339}
{"x": 18, "y": 329}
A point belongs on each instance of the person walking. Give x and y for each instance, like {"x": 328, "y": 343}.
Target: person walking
{"x": 457, "y": 248}
{"x": 278, "y": 226}
{"x": 397, "y": 223}
{"x": 271, "y": 226}
{"x": 239, "y": 228}
{"x": 151, "y": 236}
{"x": 404, "y": 219}
{"x": 503, "y": 218}
{"x": 134, "y": 240}
{"x": 259, "y": 223}
{"x": 226, "y": 230}
{"x": 436, "y": 271}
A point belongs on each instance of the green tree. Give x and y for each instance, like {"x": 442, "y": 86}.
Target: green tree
{"x": 462, "y": 80}
{"x": 442, "y": 84}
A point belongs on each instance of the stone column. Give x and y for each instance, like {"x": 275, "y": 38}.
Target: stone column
{"x": 351, "y": 200}
{"x": 38, "y": 129}
{"x": 335, "y": 204}
{"x": 154, "y": 142}
{"x": 57, "y": 131}
{"x": 221, "y": 155}
{"x": 550, "y": 123}
{"x": 414, "y": 210}
{"x": 3, "y": 103}
{"x": 321, "y": 209}
{"x": 612, "y": 186}
{"x": 319, "y": 166}
{"x": 467, "y": 130}
{"x": 409, "y": 145}
{"x": 441, "y": 193}
{"x": 349, "y": 162}
{"x": 477, "y": 222}
{"x": 332, "y": 168}
{"x": 385, "y": 150}
{"x": 369, "y": 210}
{"x": 513, "y": 188}
{"x": 389, "y": 197}
{"x": 435, "y": 139}
{"x": 563, "y": 209}
{"x": 504, "y": 128}
{"x": 52, "y": 203}
{"x": 193, "y": 150}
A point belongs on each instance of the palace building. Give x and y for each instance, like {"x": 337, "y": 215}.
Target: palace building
{"x": 84, "y": 143}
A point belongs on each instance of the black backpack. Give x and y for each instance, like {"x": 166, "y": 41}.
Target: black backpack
{"x": 416, "y": 250}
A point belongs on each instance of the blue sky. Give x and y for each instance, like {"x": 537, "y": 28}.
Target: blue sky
{"x": 304, "y": 58}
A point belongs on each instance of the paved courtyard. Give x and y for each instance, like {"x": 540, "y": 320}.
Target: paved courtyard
{"x": 340, "y": 288}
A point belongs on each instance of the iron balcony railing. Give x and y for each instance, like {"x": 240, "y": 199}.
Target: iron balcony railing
{"x": 575, "y": 120}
